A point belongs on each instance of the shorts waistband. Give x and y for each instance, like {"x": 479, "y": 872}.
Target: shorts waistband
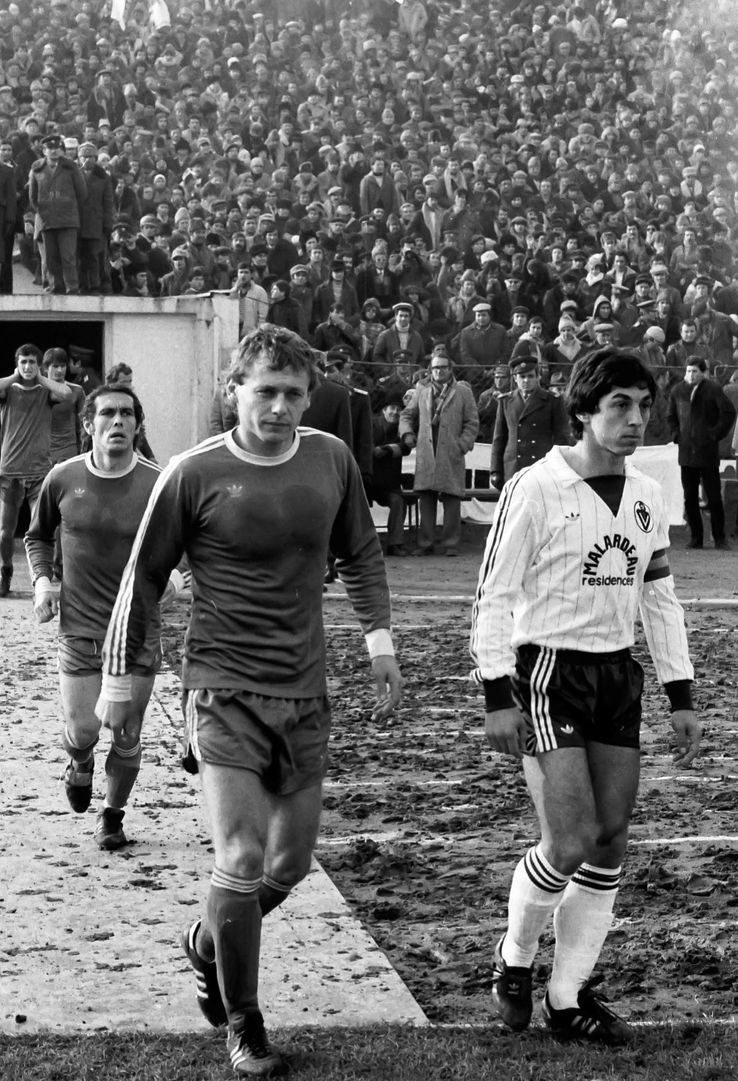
{"x": 578, "y": 656}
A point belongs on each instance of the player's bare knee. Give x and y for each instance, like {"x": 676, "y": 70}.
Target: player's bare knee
{"x": 82, "y": 728}
{"x": 573, "y": 848}
{"x": 612, "y": 839}
{"x": 290, "y": 867}
{"x": 244, "y": 861}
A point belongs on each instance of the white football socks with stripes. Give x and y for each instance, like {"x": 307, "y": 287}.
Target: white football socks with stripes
{"x": 581, "y": 924}
{"x": 536, "y": 890}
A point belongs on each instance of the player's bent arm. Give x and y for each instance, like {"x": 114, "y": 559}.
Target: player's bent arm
{"x": 8, "y": 381}
{"x": 60, "y": 392}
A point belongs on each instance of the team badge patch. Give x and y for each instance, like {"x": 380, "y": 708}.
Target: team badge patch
{"x": 643, "y": 516}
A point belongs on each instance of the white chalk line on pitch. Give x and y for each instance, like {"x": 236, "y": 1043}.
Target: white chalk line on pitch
{"x": 452, "y": 782}
{"x": 484, "y": 1026}
{"x": 435, "y": 839}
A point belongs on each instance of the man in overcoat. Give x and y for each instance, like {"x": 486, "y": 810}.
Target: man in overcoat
{"x": 57, "y": 191}
{"x": 529, "y": 422}
{"x": 441, "y": 420}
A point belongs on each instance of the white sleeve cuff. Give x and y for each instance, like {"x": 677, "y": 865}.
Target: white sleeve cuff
{"x": 379, "y": 644}
{"x": 42, "y": 585}
{"x": 116, "y": 688}
{"x": 178, "y": 580}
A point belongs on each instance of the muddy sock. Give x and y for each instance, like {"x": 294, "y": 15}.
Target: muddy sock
{"x": 581, "y": 924}
{"x": 121, "y": 769}
{"x": 534, "y": 894}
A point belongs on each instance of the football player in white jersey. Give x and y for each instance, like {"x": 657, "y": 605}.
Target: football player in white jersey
{"x": 577, "y": 549}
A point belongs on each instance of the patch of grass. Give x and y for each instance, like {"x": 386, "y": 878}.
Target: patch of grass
{"x": 687, "y": 1053}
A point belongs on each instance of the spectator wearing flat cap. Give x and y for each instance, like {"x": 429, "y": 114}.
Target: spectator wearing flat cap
{"x": 56, "y": 192}
{"x": 441, "y": 421}
{"x": 176, "y": 281}
{"x": 399, "y": 337}
{"x": 529, "y": 422}
{"x": 158, "y": 261}
{"x": 482, "y": 343}
{"x": 303, "y": 294}
{"x": 96, "y": 220}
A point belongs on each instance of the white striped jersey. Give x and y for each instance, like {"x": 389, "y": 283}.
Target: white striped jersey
{"x": 561, "y": 569}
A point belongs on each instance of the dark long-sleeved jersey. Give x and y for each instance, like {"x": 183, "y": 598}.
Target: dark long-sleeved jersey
{"x": 256, "y": 532}
{"x": 99, "y": 514}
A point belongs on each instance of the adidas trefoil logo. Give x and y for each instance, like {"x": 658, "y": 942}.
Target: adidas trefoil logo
{"x": 234, "y": 490}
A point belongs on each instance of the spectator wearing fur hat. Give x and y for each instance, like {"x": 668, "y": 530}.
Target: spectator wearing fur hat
{"x": 56, "y": 192}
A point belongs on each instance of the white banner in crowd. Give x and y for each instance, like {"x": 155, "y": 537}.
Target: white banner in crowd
{"x": 659, "y": 462}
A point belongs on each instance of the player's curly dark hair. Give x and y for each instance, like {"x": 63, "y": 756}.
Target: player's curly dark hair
{"x": 282, "y": 348}
{"x": 596, "y": 374}
{"x": 90, "y": 407}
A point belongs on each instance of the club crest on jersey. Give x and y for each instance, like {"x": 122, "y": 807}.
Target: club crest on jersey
{"x": 643, "y": 516}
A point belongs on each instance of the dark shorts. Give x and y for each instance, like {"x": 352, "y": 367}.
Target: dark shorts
{"x": 83, "y": 656}
{"x": 14, "y": 490}
{"x": 283, "y": 740}
{"x": 570, "y": 699}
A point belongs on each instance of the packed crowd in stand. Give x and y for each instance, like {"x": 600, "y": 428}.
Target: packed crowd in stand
{"x": 393, "y": 182}
{"x": 569, "y": 166}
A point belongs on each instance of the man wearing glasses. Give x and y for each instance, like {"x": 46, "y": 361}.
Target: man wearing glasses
{"x": 441, "y": 421}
